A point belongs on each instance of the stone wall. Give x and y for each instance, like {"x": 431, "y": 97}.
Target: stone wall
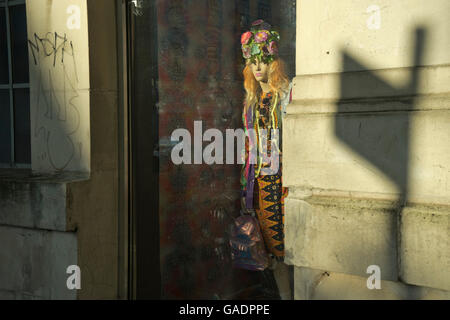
{"x": 65, "y": 210}
{"x": 366, "y": 150}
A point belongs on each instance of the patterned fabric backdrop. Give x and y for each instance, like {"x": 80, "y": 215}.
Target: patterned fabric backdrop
{"x": 200, "y": 78}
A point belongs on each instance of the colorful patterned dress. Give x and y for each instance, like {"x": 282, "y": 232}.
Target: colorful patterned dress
{"x": 265, "y": 193}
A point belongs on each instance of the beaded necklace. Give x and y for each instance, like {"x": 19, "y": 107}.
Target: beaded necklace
{"x": 272, "y": 125}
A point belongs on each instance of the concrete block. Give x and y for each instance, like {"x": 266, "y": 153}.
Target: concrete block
{"x": 341, "y": 235}
{"x": 385, "y": 153}
{"x": 313, "y": 156}
{"x": 425, "y": 246}
{"x": 347, "y": 235}
{"x": 377, "y": 33}
{"x": 33, "y": 263}
{"x": 313, "y": 284}
{"x": 33, "y": 205}
{"x": 36, "y": 200}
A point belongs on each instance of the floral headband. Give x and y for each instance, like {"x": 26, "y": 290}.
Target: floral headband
{"x": 260, "y": 42}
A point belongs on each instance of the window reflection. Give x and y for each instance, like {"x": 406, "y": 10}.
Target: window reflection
{"x": 19, "y": 45}
{"x": 4, "y": 70}
{"x": 199, "y": 78}
{"x": 22, "y": 125}
{"x": 5, "y": 128}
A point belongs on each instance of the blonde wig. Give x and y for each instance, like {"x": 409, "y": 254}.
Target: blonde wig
{"x": 277, "y": 80}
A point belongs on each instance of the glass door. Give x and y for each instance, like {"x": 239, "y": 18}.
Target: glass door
{"x": 185, "y": 72}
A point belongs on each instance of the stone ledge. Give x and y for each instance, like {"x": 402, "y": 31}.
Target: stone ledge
{"x": 366, "y": 84}
{"x": 26, "y": 175}
{"x": 333, "y": 107}
{"x": 347, "y": 235}
{"x": 35, "y": 200}
{"x": 342, "y": 235}
{"x": 311, "y": 284}
{"x": 34, "y": 263}
{"x": 425, "y": 246}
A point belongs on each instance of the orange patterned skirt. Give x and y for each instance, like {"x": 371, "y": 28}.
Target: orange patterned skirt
{"x": 270, "y": 212}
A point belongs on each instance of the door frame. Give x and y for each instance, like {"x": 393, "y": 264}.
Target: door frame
{"x": 139, "y": 242}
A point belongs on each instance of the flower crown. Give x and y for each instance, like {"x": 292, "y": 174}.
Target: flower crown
{"x": 260, "y": 42}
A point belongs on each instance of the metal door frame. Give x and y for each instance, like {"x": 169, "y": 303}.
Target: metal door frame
{"x": 139, "y": 245}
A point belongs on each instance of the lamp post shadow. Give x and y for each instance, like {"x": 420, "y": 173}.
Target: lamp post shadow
{"x": 382, "y": 136}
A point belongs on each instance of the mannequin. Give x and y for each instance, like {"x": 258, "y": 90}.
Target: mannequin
{"x": 268, "y": 93}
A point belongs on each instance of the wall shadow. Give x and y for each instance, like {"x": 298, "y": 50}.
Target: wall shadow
{"x": 382, "y": 137}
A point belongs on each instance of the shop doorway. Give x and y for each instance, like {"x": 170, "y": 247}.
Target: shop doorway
{"x": 184, "y": 64}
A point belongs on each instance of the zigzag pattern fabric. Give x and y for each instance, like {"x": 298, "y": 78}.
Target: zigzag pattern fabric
{"x": 269, "y": 193}
{"x": 271, "y": 213}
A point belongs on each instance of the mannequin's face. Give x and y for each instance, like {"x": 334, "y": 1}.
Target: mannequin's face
{"x": 260, "y": 70}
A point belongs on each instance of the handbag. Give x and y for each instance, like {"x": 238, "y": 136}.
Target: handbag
{"x": 247, "y": 244}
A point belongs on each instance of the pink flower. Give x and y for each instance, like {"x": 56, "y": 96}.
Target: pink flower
{"x": 261, "y": 36}
{"x": 273, "y": 49}
{"x": 257, "y": 22}
{"x": 245, "y": 37}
